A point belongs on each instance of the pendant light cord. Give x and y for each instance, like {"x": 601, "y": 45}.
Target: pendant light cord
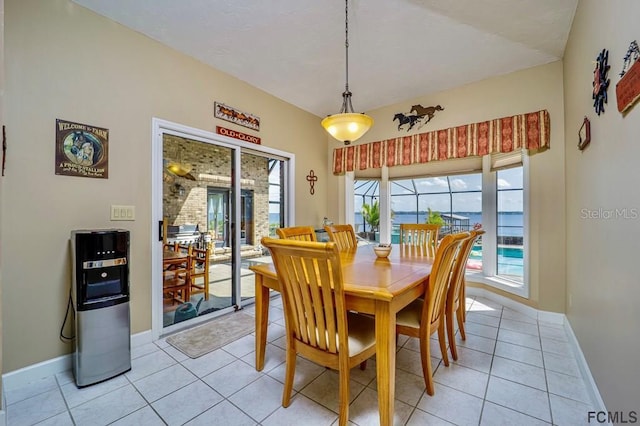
{"x": 346, "y": 43}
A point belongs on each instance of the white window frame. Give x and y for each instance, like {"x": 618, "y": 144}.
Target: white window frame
{"x": 489, "y": 222}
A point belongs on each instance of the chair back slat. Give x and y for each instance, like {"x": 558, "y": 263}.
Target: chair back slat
{"x": 299, "y": 233}
{"x": 440, "y": 277}
{"x": 419, "y": 238}
{"x": 457, "y": 275}
{"x": 343, "y": 235}
{"x": 311, "y": 279}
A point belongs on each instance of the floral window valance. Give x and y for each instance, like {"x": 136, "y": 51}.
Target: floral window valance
{"x": 529, "y": 131}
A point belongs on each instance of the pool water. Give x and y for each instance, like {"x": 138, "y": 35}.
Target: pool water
{"x": 510, "y": 260}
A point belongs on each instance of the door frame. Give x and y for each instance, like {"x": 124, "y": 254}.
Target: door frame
{"x": 160, "y": 127}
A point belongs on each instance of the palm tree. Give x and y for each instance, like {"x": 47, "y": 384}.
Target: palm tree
{"x": 371, "y": 215}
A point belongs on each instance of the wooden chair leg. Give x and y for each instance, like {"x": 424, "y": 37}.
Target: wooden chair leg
{"x": 427, "y": 371}
{"x": 363, "y": 365}
{"x": 451, "y": 334}
{"x": 343, "y": 417}
{"x": 460, "y": 316}
{"x": 290, "y": 372}
{"x": 443, "y": 344}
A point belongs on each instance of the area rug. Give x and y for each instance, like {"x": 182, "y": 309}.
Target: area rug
{"x": 212, "y": 335}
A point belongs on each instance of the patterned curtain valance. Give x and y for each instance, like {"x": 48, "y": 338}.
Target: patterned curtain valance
{"x": 530, "y": 131}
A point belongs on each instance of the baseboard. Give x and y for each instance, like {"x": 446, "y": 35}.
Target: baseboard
{"x": 554, "y": 318}
{"x": 551, "y": 317}
{"x": 584, "y": 369}
{"x": 18, "y": 378}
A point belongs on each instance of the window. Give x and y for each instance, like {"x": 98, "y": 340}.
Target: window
{"x": 492, "y": 198}
{"x": 510, "y": 224}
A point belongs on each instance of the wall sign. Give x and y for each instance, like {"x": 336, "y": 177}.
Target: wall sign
{"x": 628, "y": 88}
{"x": 237, "y": 135}
{"x": 233, "y": 115}
{"x": 81, "y": 150}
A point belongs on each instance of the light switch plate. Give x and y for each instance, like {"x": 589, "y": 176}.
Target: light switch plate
{"x": 123, "y": 212}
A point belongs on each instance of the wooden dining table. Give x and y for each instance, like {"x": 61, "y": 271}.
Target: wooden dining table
{"x": 375, "y": 286}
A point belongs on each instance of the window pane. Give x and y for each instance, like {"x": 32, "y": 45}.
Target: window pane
{"x": 510, "y": 228}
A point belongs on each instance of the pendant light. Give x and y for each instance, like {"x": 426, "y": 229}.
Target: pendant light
{"x": 347, "y": 126}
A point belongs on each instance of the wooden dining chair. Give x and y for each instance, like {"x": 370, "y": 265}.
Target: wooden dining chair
{"x": 318, "y": 325}
{"x": 419, "y": 238}
{"x": 424, "y": 316}
{"x": 199, "y": 270}
{"x": 300, "y": 233}
{"x": 175, "y": 282}
{"x": 456, "y": 304}
{"x": 343, "y": 235}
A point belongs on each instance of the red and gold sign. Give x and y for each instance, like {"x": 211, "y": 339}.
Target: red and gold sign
{"x": 628, "y": 88}
{"x": 237, "y": 135}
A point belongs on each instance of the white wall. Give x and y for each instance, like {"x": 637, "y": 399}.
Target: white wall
{"x": 63, "y": 61}
{"x": 602, "y": 253}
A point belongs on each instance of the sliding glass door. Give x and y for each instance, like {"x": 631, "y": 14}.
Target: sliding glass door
{"x": 220, "y": 199}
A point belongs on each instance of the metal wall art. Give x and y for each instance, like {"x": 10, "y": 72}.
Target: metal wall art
{"x": 600, "y": 81}
{"x": 417, "y": 115}
{"x": 628, "y": 88}
{"x": 234, "y": 115}
{"x": 312, "y": 178}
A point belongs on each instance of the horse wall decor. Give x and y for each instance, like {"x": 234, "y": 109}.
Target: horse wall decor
{"x": 422, "y": 115}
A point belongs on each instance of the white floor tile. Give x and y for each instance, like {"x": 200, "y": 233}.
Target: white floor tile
{"x": 497, "y": 415}
{"x": 167, "y": 387}
{"x": 260, "y": 398}
{"x": 208, "y": 363}
{"x": 225, "y": 414}
{"x": 473, "y": 359}
{"x": 301, "y": 408}
{"x": 522, "y": 327}
{"x": 568, "y": 386}
{"x": 480, "y": 318}
{"x": 517, "y": 338}
{"x": 76, "y": 396}
{"x": 567, "y": 412}
{"x": 521, "y": 398}
{"x": 519, "y": 353}
{"x": 519, "y": 372}
{"x": 37, "y": 408}
{"x": 232, "y": 377}
{"x": 306, "y": 372}
{"x": 186, "y": 403}
{"x": 447, "y": 404}
{"x": 144, "y": 416}
{"x": 477, "y": 343}
{"x": 30, "y": 390}
{"x": 421, "y": 418}
{"x": 481, "y": 330}
{"x": 561, "y": 364}
{"x": 463, "y": 379}
{"x": 109, "y": 407}
{"x": 324, "y": 390}
{"x": 164, "y": 382}
{"x": 364, "y": 410}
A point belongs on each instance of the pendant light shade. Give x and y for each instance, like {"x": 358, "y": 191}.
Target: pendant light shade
{"x": 347, "y": 126}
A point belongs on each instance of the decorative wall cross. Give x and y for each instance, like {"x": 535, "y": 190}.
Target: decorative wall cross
{"x": 312, "y": 179}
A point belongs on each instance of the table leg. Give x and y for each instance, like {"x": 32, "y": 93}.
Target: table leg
{"x": 385, "y": 360}
{"x": 262, "y": 320}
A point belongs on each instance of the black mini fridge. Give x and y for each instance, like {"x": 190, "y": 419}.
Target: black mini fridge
{"x": 100, "y": 296}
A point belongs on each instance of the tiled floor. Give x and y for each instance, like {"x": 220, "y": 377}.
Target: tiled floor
{"x": 512, "y": 370}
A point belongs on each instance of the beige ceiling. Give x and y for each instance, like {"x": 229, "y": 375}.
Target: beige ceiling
{"x": 398, "y": 49}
